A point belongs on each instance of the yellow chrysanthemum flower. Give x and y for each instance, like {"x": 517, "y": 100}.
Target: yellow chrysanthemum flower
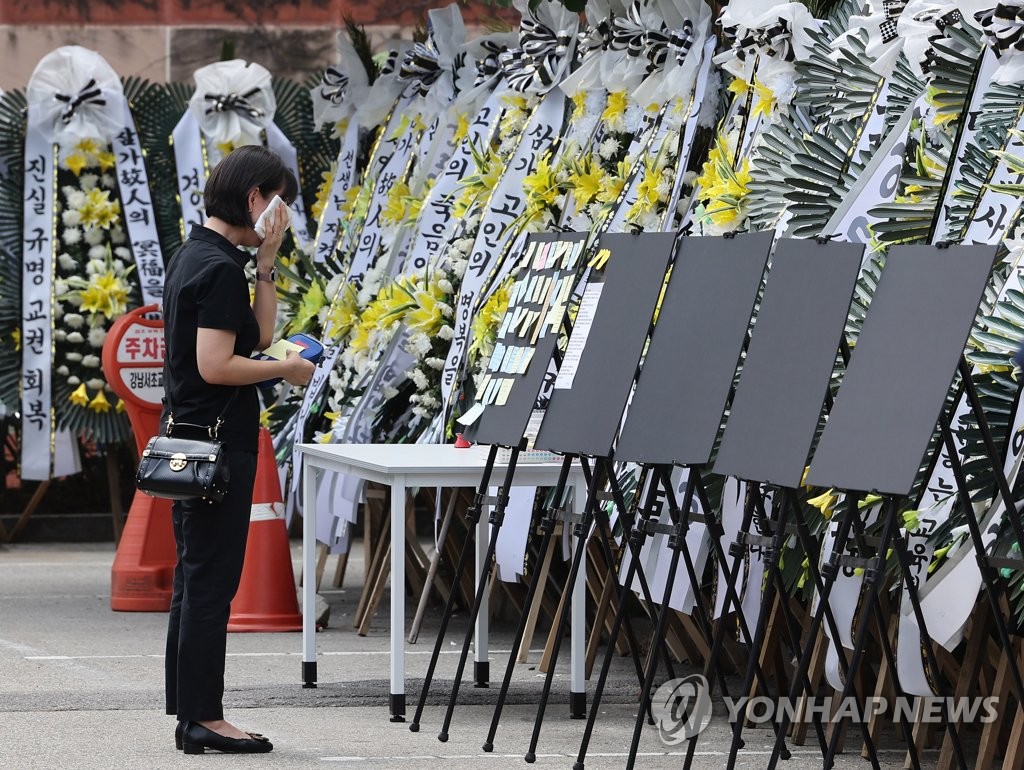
{"x": 486, "y": 322}
{"x": 16, "y": 336}
{"x": 312, "y": 302}
{"x": 395, "y": 210}
{"x": 344, "y": 311}
{"x": 579, "y": 104}
{"x": 615, "y": 107}
{"x": 76, "y": 163}
{"x": 87, "y": 146}
{"x": 106, "y": 160}
{"x": 323, "y": 192}
{"x": 461, "y": 128}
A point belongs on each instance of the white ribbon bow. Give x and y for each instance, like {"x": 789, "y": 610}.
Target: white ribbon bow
{"x": 233, "y": 101}
{"x": 907, "y": 26}
{"x": 342, "y": 88}
{"x": 776, "y": 34}
{"x": 74, "y": 94}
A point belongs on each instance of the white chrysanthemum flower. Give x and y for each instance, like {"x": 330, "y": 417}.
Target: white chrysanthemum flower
{"x": 446, "y": 333}
{"x": 60, "y": 288}
{"x": 99, "y": 254}
{"x": 63, "y": 371}
{"x": 75, "y": 300}
{"x": 634, "y": 117}
{"x": 429, "y": 401}
{"x": 97, "y": 335}
{"x": 117, "y": 235}
{"x": 458, "y": 267}
{"x": 73, "y": 357}
{"x": 123, "y": 252}
{"x": 91, "y": 362}
{"x": 76, "y": 198}
{"x": 95, "y": 384}
{"x": 66, "y": 262}
{"x": 419, "y": 379}
{"x": 94, "y": 236}
{"x": 71, "y": 236}
{"x": 419, "y": 345}
{"x": 434, "y": 363}
{"x": 73, "y": 380}
{"x": 71, "y": 218}
{"x": 74, "y": 320}
{"x": 108, "y": 181}
{"x": 119, "y": 266}
{"x": 75, "y": 338}
{"x": 88, "y": 181}
{"x": 59, "y": 335}
{"x": 609, "y": 148}
{"x": 445, "y": 285}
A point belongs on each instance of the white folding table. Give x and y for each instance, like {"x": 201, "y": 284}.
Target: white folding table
{"x": 401, "y": 466}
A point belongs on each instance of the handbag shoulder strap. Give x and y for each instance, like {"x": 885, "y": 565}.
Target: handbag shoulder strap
{"x": 212, "y": 430}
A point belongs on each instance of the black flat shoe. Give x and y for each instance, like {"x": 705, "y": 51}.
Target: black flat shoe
{"x": 180, "y": 726}
{"x": 195, "y": 739}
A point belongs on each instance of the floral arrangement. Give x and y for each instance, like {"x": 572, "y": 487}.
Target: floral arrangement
{"x": 723, "y": 187}
{"x": 94, "y": 285}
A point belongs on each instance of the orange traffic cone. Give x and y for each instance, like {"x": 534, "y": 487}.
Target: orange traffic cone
{"x": 266, "y": 599}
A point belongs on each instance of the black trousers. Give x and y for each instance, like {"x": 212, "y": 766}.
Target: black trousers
{"x": 210, "y": 540}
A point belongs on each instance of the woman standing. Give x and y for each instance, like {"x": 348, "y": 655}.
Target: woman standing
{"x": 210, "y": 331}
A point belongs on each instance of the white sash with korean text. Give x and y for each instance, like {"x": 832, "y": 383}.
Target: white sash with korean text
{"x": 507, "y": 202}
{"x": 329, "y": 228}
{"x": 38, "y": 245}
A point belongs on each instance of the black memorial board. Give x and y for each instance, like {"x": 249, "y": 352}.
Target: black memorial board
{"x": 585, "y": 410}
{"x": 528, "y": 333}
{"x": 902, "y": 367}
{"x": 676, "y": 411}
{"x": 789, "y": 362}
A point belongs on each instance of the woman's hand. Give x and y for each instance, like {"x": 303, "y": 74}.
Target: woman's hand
{"x": 266, "y": 255}
{"x": 297, "y": 370}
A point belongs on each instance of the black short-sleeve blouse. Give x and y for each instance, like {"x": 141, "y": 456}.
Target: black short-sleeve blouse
{"x": 205, "y": 286}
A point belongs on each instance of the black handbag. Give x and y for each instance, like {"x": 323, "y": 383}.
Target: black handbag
{"x": 177, "y": 468}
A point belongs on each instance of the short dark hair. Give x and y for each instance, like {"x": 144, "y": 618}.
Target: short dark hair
{"x": 227, "y": 189}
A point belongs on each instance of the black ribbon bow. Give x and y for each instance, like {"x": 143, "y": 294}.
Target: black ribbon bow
{"x": 334, "y": 85}
{"x": 1003, "y": 28}
{"x": 775, "y": 40}
{"x": 233, "y": 102}
{"x": 538, "y": 58}
{"x": 420, "y": 68}
{"x": 90, "y": 93}
{"x": 676, "y": 42}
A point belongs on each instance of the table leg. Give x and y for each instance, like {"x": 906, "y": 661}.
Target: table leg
{"x": 310, "y": 477}
{"x": 397, "y": 700}
{"x": 481, "y": 666}
{"x": 578, "y": 628}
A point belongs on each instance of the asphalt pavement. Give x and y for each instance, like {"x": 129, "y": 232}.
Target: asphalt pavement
{"x": 81, "y": 686}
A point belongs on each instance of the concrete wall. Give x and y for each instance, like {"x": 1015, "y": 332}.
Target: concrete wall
{"x": 165, "y": 40}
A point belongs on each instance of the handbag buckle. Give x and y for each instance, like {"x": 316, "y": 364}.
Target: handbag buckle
{"x": 177, "y": 462}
